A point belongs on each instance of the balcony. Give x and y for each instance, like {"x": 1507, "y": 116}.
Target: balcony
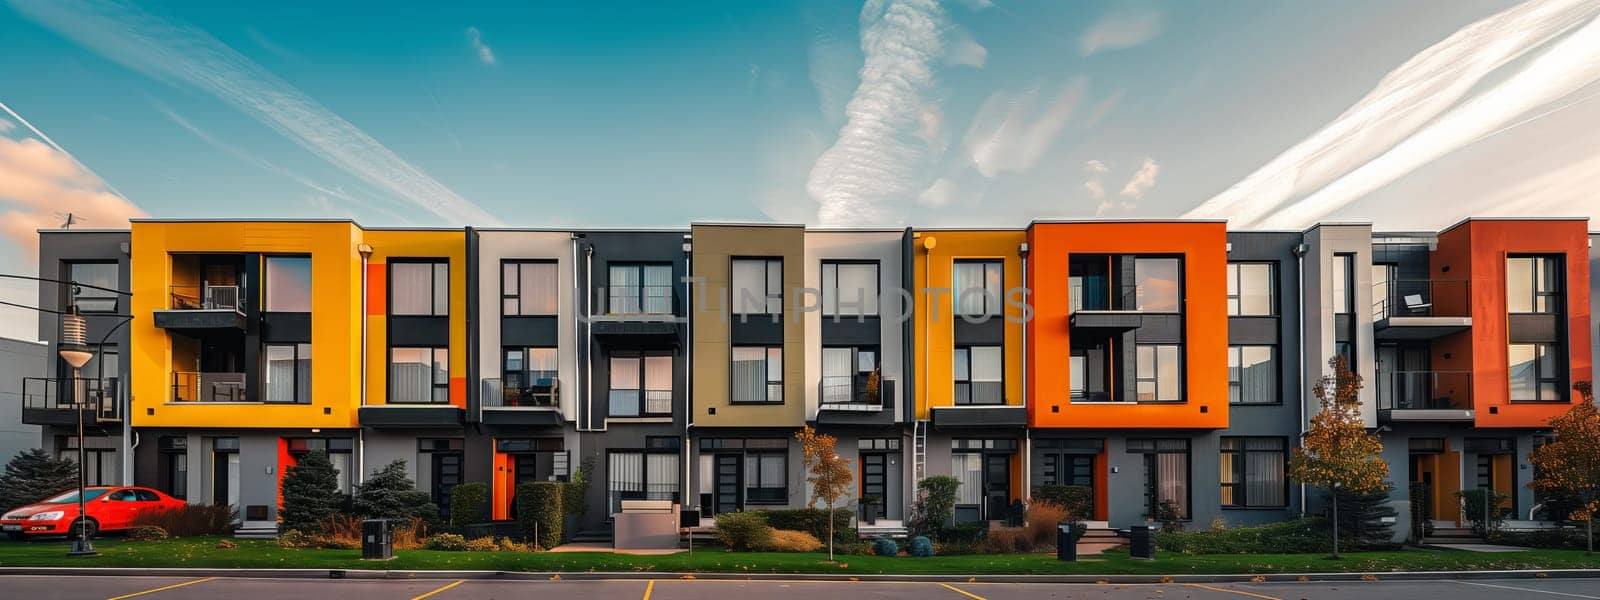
{"x": 1425, "y": 396}
{"x": 1420, "y": 309}
{"x": 626, "y": 403}
{"x": 537, "y": 404}
{"x": 189, "y": 386}
{"x": 203, "y": 307}
{"x": 1096, "y": 305}
{"x": 52, "y": 401}
{"x": 856, "y": 400}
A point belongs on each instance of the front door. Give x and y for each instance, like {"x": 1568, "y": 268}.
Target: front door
{"x": 225, "y": 479}
{"x": 446, "y": 474}
{"x": 997, "y": 485}
{"x": 727, "y": 483}
{"x": 875, "y": 481}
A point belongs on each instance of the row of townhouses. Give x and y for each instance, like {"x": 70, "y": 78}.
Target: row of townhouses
{"x": 1153, "y": 361}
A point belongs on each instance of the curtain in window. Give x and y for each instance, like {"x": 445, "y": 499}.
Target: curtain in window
{"x": 541, "y": 365}
{"x": 662, "y": 470}
{"x": 658, "y": 289}
{"x": 624, "y": 478}
{"x": 749, "y": 286}
{"x": 968, "y": 468}
{"x": 836, "y": 373}
{"x": 765, "y": 480}
{"x": 1264, "y": 472}
{"x": 625, "y": 386}
{"x": 970, "y": 288}
{"x": 857, "y": 292}
{"x": 624, "y": 288}
{"x": 411, "y": 288}
{"x": 410, "y": 375}
{"x": 537, "y": 288}
{"x": 658, "y": 384}
{"x": 749, "y": 375}
{"x": 988, "y": 375}
{"x": 1173, "y": 480}
{"x": 1257, "y": 375}
{"x": 280, "y": 375}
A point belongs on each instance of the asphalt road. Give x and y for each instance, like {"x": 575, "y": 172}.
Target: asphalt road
{"x": 30, "y": 587}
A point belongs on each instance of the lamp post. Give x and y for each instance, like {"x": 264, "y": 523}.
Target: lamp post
{"x": 74, "y": 349}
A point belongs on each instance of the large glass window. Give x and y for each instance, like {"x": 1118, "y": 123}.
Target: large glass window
{"x": 1533, "y": 284}
{"x": 757, "y": 286}
{"x": 637, "y": 475}
{"x": 528, "y": 288}
{"x": 1342, "y": 278}
{"x": 757, "y": 374}
{"x": 419, "y": 288}
{"x": 419, "y": 375}
{"x": 979, "y": 287}
{"x": 98, "y": 274}
{"x": 1158, "y": 284}
{"x": 288, "y": 283}
{"x": 1535, "y": 373}
{"x": 641, "y": 385}
{"x": 1252, "y": 375}
{"x": 845, "y": 373}
{"x": 288, "y": 373}
{"x": 766, "y": 477}
{"x": 1253, "y": 472}
{"x": 639, "y": 289}
{"x": 849, "y": 289}
{"x": 528, "y": 376}
{"x": 1250, "y": 287}
{"x": 1158, "y": 373}
{"x": 339, "y": 452}
{"x": 980, "y": 375}
{"x": 1166, "y": 464}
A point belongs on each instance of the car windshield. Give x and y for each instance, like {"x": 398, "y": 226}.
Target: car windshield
{"x": 72, "y": 496}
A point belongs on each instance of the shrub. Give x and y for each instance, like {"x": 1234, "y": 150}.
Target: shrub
{"x": 576, "y": 487}
{"x": 146, "y": 533}
{"x": 1076, "y": 500}
{"x": 226, "y": 545}
{"x": 294, "y": 538}
{"x": 510, "y": 545}
{"x": 920, "y": 547}
{"x": 346, "y": 529}
{"x": 539, "y": 512}
{"x": 1007, "y": 540}
{"x": 813, "y": 521}
{"x": 963, "y": 538}
{"x": 189, "y": 520}
{"x": 33, "y": 475}
{"x": 1041, "y": 523}
{"x": 1169, "y": 516}
{"x": 885, "y": 547}
{"x": 466, "y": 503}
{"x": 1296, "y": 536}
{"x": 1364, "y": 519}
{"x": 743, "y": 531}
{"x": 409, "y": 534}
{"x": 310, "y": 492}
{"x": 857, "y": 547}
{"x": 1419, "y": 513}
{"x": 391, "y": 494}
{"x": 1473, "y": 509}
{"x": 935, "y": 505}
{"x": 448, "y": 542}
{"x": 783, "y": 540}
{"x": 1554, "y": 539}
{"x": 483, "y": 544}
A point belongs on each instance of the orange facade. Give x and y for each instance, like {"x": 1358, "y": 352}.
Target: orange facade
{"x": 1203, "y": 247}
{"x": 1477, "y": 250}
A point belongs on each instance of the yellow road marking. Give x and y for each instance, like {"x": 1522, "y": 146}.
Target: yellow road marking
{"x": 649, "y": 587}
{"x": 437, "y": 591}
{"x": 1230, "y": 591}
{"x": 162, "y": 588}
{"x": 961, "y": 591}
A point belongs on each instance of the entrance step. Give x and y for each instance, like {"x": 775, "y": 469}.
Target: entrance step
{"x": 269, "y": 533}
{"x": 591, "y": 536}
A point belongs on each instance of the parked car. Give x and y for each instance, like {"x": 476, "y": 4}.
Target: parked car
{"x": 109, "y": 508}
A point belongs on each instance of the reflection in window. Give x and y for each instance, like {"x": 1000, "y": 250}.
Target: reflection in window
{"x": 979, "y": 375}
{"x": 419, "y": 375}
{"x": 1533, "y": 284}
{"x": 757, "y": 286}
{"x": 528, "y": 288}
{"x": 641, "y": 385}
{"x": 419, "y": 288}
{"x": 1249, "y": 289}
{"x": 979, "y": 287}
{"x": 1534, "y": 372}
{"x": 1343, "y": 286}
{"x": 757, "y": 374}
{"x": 849, "y": 289}
{"x": 288, "y": 283}
{"x": 288, "y": 373}
{"x": 1252, "y": 375}
{"x": 1158, "y": 372}
{"x": 97, "y": 274}
{"x": 1158, "y": 284}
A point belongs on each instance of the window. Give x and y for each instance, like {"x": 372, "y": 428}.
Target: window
{"x": 1252, "y": 375}
{"x": 845, "y": 372}
{"x": 979, "y": 375}
{"x": 98, "y": 274}
{"x": 529, "y": 376}
{"x": 967, "y": 467}
{"x": 174, "y": 465}
{"x": 1253, "y": 472}
{"x": 1158, "y": 284}
{"x": 339, "y": 453}
{"x": 1158, "y": 373}
{"x": 979, "y": 287}
{"x": 288, "y": 374}
{"x": 288, "y": 283}
{"x": 1347, "y": 351}
{"x": 758, "y": 286}
{"x": 849, "y": 289}
{"x": 419, "y": 288}
{"x": 1385, "y": 284}
{"x": 100, "y": 464}
{"x": 1535, "y": 373}
{"x": 765, "y": 477}
{"x": 1342, "y": 274}
{"x": 1250, "y": 287}
{"x": 1533, "y": 284}
{"x": 641, "y": 385}
{"x": 757, "y": 374}
{"x": 1166, "y": 469}
{"x": 636, "y": 475}
{"x": 419, "y": 375}
{"x": 640, "y": 290}
{"x": 1077, "y": 373}
{"x": 528, "y": 288}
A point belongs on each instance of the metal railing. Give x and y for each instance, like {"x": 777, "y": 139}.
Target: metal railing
{"x": 63, "y": 393}
{"x": 639, "y": 300}
{"x": 1421, "y": 298}
{"x": 544, "y": 392}
{"x": 627, "y": 402}
{"x": 189, "y": 386}
{"x": 207, "y": 297}
{"x": 1102, "y": 295}
{"x": 854, "y": 392}
{"x": 1424, "y": 390}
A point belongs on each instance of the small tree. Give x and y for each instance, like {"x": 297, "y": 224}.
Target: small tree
{"x": 1569, "y": 464}
{"x": 391, "y": 494}
{"x": 33, "y": 475}
{"x": 466, "y": 503}
{"x": 310, "y": 492}
{"x": 829, "y": 473}
{"x": 539, "y": 512}
{"x": 1337, "y": 452}
{"x": 935, "y": 505}
{"x": 576, "y": 488}
{"x": 1368, "y": 520}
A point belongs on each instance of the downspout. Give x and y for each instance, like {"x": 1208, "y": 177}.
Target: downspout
{"x": 1300, "y": 348}
{"x": 577, "y": 330}
{"x": 361, "y": 437}
{"x": 687, "y": 452}
{"x": 1027, "y": 432}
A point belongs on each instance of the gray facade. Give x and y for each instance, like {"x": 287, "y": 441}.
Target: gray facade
{"x": 19, "y": 359}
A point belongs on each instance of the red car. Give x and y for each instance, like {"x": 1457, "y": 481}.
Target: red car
{"x": 110, "y": 509}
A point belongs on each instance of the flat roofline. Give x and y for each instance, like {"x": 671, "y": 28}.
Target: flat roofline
{"x": 242, "y": 220}
{"x": 85, "y": 230}
{"x": 960, "y": 229}
{"x": 579, "y": 230}
{"x": 693, "y": 224}
{"x": 1512, "y": 219}
{"x": 24, "y": 341}
{"x": 1135, "y": 221}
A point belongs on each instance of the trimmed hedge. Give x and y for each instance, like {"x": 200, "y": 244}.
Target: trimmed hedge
{"x": 1298, "y": 536}
{"x": 813, "y": 521}
{"x": 1555, "y": 539}
{"x": 539, "y": 511}
{"x": 466, "y": 503}
{"x": 744, "y": 531}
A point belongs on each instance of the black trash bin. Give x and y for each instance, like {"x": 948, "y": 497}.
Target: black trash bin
{"x": 1142, "y": 542}
{"x": 377, "y": 539}
{"x": 1066, "y": 542}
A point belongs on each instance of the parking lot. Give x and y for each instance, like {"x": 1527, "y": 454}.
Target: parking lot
{"x": 181, "y": 588}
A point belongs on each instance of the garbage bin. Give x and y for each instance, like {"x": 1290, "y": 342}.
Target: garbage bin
{"x": 1142, "y": 542}
{"x": 1066, "y": 542}
{"x": 377, "y": 539}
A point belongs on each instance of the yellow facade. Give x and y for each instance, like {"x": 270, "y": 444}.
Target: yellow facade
{"x": 934, "y": 329}
{"x": 447, "y": 244}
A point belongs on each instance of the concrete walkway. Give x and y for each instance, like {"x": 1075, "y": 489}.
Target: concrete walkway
{"x": 604, "y": 547}
{"x": 1478, "y": 547}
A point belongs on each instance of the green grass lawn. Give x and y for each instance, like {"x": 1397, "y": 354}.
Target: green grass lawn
{"x": 202, "y": 552}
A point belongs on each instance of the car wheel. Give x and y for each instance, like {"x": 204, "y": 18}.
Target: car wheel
{"x": 89, "y": 525}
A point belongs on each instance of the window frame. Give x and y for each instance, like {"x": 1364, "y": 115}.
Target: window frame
{"x": 752, "y": 483}
{"x": 1241, "y": 468}
{"x": 295, "y": 349}
{"x": 1152, "y": 446}
{"x": 99, "y": 301}
{"x": 524, "y": 375}
{"x": 855, "y": 371}
{"x": 1550, "y": 352}
{"x": 955, "y": 394}
{"x": 1345, "y": 279}
{"x": 992, "y": 307}
{"x": 1237, "y": 350}
{"x": 1179, "y": 301}
{"x": 772, "y": 295}
{"x": 1235, "y": 291}
{"x": 640, "y": 296}
{"x": 517, "y": 295}
{"x": 643, "y": 382}
{"x": 766, "y": 362}
{"x": 1156, "y": 378}
{"x": 266, "y": 279}
{"x": 434, "y": 386}
{"x": 1539, "y": 264}
{"x": 433, "y": 286}
{"x": 876, "y": 294}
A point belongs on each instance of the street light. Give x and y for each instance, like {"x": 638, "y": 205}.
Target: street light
{"x": 74, "y": 349}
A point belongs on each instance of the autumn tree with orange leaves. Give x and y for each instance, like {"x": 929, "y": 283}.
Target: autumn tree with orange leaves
{"x": 1569, "y": 465}
{"x": 1337, "y": 452}
{"x": 827, "y": 472}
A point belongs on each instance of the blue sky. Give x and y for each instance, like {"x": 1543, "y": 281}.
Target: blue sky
{"x": 1274, "y": 114}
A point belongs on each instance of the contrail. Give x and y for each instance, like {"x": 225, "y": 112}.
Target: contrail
{"x": 46, "y": 139}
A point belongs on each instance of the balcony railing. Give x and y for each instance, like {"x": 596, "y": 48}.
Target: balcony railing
{"x": 1420, "y": 298}
{"x": 1425, "y": 390}
{"x": 189, "y": 386}
{"x": 626, "y": 403}
{"x": 628, "y": 300}
{"x": 98, "y": 396}
{"x": 854, "y": 392}
{"x": 1098, "y": 294}
{"x": 207, "y": 297}
{"x": 544, "y": 392}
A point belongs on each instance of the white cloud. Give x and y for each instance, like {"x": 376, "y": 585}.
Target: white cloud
{"x": 485, "y": 53}
{"x": 1122, "y": 29}
{"x": 1096, "y": 189}
{"x": 882, "y": 152}
{"x": 41, "y": 185}
{"x": 1142, "y": 180}
{"x": 939, "y": 194}
{"x": 965, "y": 50}
{"x": 265, "y": 43}
{"x": 185, "y": 56}
{"x": 1095, "y": 167}
{"x": 7, "y": 126}
{"x": 1416, "y": 113}
{"x": 1011, "y": 134}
